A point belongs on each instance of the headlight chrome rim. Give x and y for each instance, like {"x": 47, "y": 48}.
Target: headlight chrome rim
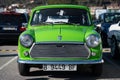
{"x": 26, "y": 40}
{"x": 93, "y": 40}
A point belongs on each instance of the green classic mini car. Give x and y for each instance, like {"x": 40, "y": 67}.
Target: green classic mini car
{"x": 60, "y": 38}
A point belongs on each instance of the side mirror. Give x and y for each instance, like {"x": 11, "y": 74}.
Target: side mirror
{"x": 98, "y": 29}
{"x": 24, "y": 25}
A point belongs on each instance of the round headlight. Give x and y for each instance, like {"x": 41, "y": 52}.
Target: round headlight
{"x": 93, "y": 40}
{"x": 26, "y": 40}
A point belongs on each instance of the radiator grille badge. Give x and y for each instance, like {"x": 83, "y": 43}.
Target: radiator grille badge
{"x": 59, "y": 38}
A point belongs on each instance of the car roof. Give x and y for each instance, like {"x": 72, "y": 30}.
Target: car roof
{"x": 112, "y": 13}
{"x": 61, "y": 6}
{"x": 109, "y": 13}
{"x": 12, "y": 12}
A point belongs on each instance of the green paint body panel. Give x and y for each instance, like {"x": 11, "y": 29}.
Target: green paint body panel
{"x": 50, "y": 33}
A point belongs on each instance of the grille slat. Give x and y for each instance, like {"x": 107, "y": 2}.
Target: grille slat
{"x": 56, "y": 50}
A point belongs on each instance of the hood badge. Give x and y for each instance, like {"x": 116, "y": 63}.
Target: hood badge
{"x": 59, "y": 37}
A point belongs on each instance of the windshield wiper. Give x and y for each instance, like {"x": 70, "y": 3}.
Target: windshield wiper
{"x": 46, "y": 23}
{"x": 61, "y": 22}
{"x": 73, "y": 23}
{"x": 43, "y": 23}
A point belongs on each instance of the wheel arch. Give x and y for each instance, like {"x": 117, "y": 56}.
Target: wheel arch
{"x": 113, "y": 36}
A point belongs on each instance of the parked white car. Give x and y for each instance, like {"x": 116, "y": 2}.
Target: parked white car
{"x": 114, "y": 39}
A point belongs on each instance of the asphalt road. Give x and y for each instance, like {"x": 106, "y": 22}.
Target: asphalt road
{"x": 9, "y": 70}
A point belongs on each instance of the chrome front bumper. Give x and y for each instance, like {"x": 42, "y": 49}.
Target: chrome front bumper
{"x": 61, "y": 62}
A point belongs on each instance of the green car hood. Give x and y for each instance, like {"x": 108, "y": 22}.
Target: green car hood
{"x": 50, "y": 33}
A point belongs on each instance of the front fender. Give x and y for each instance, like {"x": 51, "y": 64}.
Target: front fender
{"x": 115, "y": 33}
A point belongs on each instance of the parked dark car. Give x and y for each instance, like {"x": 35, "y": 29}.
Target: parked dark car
{"x": 11, "y": 25}
{"x": 114, "y": 39}
{"x": 106, "y": 20}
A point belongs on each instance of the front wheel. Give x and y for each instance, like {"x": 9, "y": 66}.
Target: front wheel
{"x": 23, "y": 69}
{"x": 114, "y": 48}
{"x": 97, "y": 69}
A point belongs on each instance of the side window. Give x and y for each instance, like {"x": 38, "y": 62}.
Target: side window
{"x": 101, "y": 18}
{"x": 35, "y": 18}
{"x": 28, "y": 17}
{"x": 38, "y": 18}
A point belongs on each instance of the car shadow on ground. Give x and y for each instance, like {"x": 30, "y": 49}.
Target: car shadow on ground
{"x": 107, "y": 74}
{"x": 82, "y": 74}
{"x": 63, "y": 75}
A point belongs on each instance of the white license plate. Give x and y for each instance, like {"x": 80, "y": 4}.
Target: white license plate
{"x": 59, "y": 67}
{"x": 9, "y": 28}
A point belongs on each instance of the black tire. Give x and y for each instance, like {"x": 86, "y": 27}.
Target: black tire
{"x": 23, "y": 69}
{"x": 104, "y": 40}
{"x": 114, "y": 48}
{"x": 97, "y": 69}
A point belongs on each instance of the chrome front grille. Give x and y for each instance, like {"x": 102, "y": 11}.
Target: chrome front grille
{"x": 59, "y": 50}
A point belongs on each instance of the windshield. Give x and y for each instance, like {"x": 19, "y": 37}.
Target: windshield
{"x": 58, "y": 15}
{"x": 112, "y": 18}
{"x": 12, "y": 19}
